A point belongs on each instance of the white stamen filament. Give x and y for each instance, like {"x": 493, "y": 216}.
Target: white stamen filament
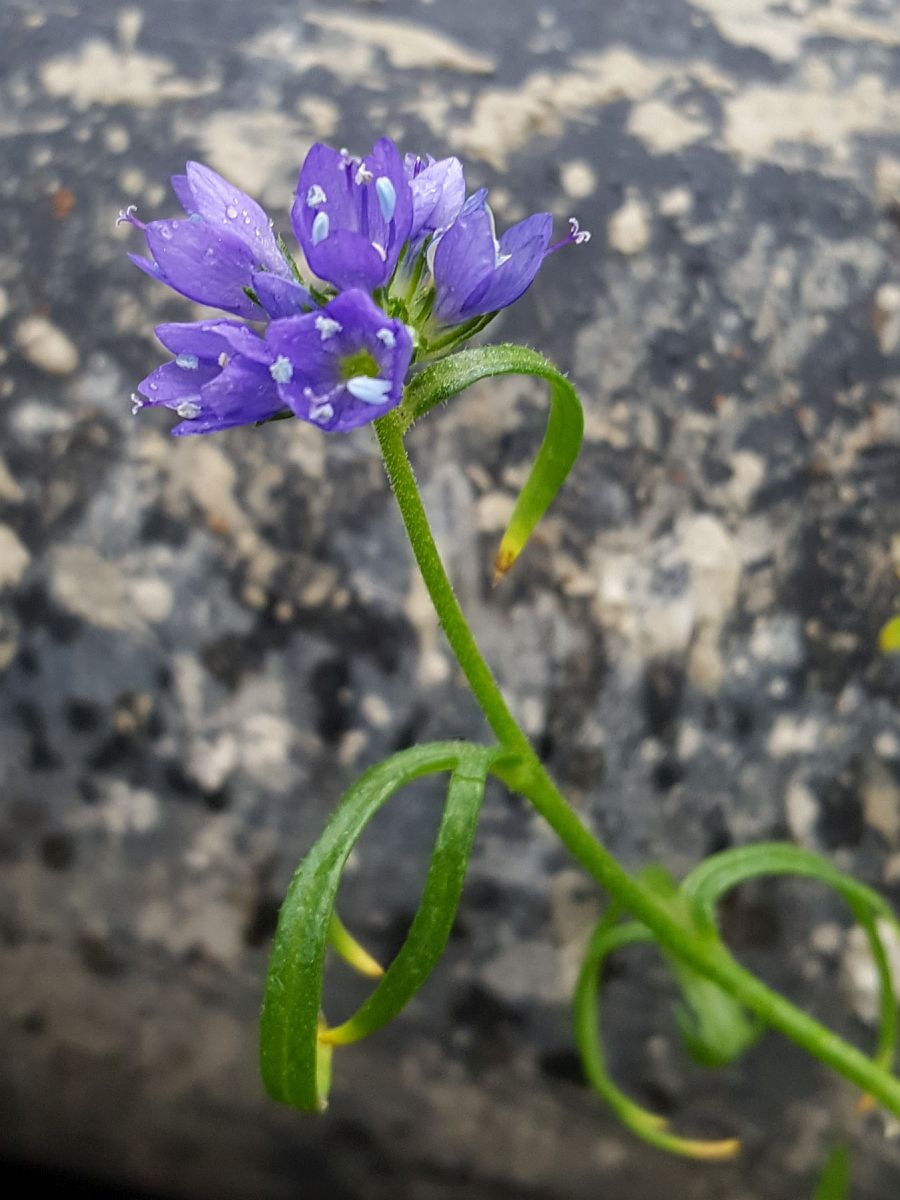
{"x": 578, "y": 236}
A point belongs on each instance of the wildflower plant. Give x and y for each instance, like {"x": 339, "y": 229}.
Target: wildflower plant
{"x": 404, "y": 270}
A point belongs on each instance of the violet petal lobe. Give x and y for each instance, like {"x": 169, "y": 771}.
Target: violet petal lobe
{"x": 242, "y": 394}
{"x": 210, "y": 339}
{"x": 204, "y": 263}
{"x": 221, "y": 204}
{"x": 438, "y": 193}
{"x": 171, "y": 384}
{"x": 462, "y": 261}
{"x": 522, "y": 250}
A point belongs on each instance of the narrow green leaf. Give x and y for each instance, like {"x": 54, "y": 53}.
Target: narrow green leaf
{"x": 558, "y": 451}
{"x": 608, "y": 937}
{"x": 434, "y": 918}
{"x": 291, "y": 1053}
{"x": 834, "y": 1183}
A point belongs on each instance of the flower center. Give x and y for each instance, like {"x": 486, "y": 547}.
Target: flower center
{"x": 360, "y": 363}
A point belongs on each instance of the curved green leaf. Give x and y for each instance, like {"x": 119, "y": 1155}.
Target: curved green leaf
{"x": 293, "y": 1057}
{"x": 607, "y": 938}
{"x": 558, "y": 451}
{"x": 434, "y": 918}
{"x": 715, "y": 1028}
{"x": 707, "y": 883}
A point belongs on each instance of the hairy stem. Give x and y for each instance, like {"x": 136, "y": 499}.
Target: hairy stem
{"x": 528, "y": 777}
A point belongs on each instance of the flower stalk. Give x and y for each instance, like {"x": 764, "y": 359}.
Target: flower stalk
{"x": 529, "y": 778}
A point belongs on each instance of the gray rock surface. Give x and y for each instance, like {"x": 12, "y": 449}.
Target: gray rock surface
{"x": 203, "y": 642}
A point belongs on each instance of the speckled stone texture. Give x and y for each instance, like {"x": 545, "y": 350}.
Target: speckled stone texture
{"x": 202, "y": 642}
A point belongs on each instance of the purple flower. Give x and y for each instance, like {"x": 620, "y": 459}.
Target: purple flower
{"x": 220, "y": 377}
{"x": 474, "y": 273}
{"x": 342, "y": 366}
{"x": 438, "y": 192}
{"x": 352, "y": 216}
{"x": 225, "y": 247}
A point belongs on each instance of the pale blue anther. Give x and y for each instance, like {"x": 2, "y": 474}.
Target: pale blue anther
{"x": 320, "y": 228}
{"x": 387, "y": 196}
{"x": 370, "y": 391}
{"x": 187, "y": 362}
{"x": 282, "y": 369}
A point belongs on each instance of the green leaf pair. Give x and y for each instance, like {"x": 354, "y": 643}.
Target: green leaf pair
{"x": 295, "y": 1044}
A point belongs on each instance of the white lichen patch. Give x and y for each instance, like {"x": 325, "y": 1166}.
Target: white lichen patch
{"x": 505, "y": 119}
{"x": 99, "y": 73}
{"x": 578, "y": 178}
{"x": 664, "y": 129}
{"x": 672, "y": 596}
{"x": 92, "y": 588}
{"x": 10, "y": 491}
{"x": 781, "y": 31}
{"x": 793, "y": 735}
{"x": 14, "y": 558}
{"x": 248, "y": 148}
{"x": 629, "y": 228}
{"x": 406, "y": 45}
{"x": 766, "y": 121}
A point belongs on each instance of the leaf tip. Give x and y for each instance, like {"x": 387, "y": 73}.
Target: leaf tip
{"x": 503, "y": 562}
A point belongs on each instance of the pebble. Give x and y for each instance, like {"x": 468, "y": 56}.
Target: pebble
{"x": 46, "y": 347}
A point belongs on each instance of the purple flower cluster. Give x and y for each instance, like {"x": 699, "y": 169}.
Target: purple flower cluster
{"x": 410, "y": 269}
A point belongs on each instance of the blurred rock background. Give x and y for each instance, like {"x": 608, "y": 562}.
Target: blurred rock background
{"x": 202, "y": 642}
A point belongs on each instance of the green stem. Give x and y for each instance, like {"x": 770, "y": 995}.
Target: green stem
{"x": 529, "y": 777}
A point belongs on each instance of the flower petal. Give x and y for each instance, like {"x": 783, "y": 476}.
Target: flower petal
{"x": 525, "y": 245}
{"x": 182, "y": 190}
{"x": 204, "y": 263}
{"x": 171, "y": 384}
{"x": 438, "y": 192}
{"x": 463, "y": 261}
{"x": 208, "y": 339}
{"x": 281, "y": 297}
{"x": 220, "y": 203}
{"x": 241, "y": 394}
